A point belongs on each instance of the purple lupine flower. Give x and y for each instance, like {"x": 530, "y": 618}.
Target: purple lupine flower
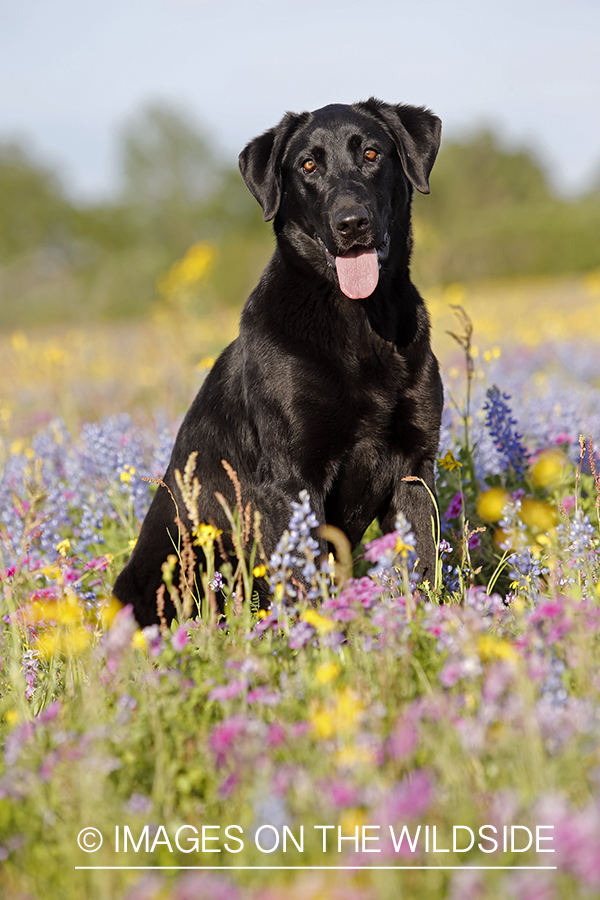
{"x": 580, "y": 537}
{"x": 501, "y": 425}
{"x": 296, "y": 548}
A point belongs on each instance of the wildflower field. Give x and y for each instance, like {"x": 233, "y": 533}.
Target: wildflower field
{"x": 363, "y": 739}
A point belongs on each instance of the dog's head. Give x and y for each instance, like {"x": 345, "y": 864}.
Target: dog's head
{"x": 338, "y": 182}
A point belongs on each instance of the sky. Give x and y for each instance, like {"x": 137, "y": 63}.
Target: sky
{"x": 73, "y": 72}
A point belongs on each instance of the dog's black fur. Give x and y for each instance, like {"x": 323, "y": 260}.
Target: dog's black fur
{"x": 336, "y": 395}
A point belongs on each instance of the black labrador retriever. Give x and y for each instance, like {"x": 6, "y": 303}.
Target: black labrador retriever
{"x": 332, "y": 385}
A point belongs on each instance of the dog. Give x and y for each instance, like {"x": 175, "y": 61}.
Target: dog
{"x": 332, "y": 385}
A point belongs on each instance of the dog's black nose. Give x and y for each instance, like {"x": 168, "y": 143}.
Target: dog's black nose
{"x": 351, "y": 221}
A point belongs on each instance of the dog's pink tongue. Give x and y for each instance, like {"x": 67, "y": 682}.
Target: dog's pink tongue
{"x": 358, "y": 272}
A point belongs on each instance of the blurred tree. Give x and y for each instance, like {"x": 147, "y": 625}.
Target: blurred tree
{"x": 492, "y": 213}
{"x": 169, "y": 173}
{"x": 180, "y": 190}
{"x": 34, "y": 211}
{"x": 478, "y": 172}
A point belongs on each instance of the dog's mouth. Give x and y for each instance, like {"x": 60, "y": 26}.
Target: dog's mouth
{"x": 358, "y": 268}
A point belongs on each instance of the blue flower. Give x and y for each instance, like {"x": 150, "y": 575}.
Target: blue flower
{"x": 501, "y": 425}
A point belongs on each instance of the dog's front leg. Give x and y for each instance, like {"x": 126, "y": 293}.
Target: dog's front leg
{"x": 416, "y": 498}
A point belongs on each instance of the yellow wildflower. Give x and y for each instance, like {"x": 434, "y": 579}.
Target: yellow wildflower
{"x": 494, "y": 353}
{"x": 63, "y": 547}
{"x": 547, "y": 472}
{"x": 48, "y": 644}
{"x": 54, "y": 355}
{"x": 537, "y": 515}
{"x": 259, "y": 571}
{"x": 75, "y": 640}
{"x": 318, "y": 621}
{"x": 491, "y": 503}
{"x": 127, "y": 473}
{"x": 352, "y": 818}
{"x": 206, "y": 535}
{"x": 338, "y": 716}
{"x": 39, "y": 611}
{"x": 349, "y": 706}
{"x": 68, "y": 611}
{"x": 491, "y": 647}
{"x": 109, "y": 609}
{"x": 449, "y": 462}
{"x": 403, "y": 549}
{"x": 327, "y": 672}
{"x": 52, "y": 572}
{"x": 353, "y": 755}
{"x": 322, "y": 722}
{"x": 19, "y": 341}
{"x": 455, "y": 293}
{"x": 179, "y": 282}
{"x": 138, "y": 641}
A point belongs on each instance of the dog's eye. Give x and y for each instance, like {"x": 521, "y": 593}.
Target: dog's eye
{"x": 371, "y": 155}
{"x": 309, "y": 166}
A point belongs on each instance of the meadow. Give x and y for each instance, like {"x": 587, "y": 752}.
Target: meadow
{"x": 364, "y": 739}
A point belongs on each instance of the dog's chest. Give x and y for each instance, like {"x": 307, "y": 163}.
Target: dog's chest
{"x": 350, "y": 408}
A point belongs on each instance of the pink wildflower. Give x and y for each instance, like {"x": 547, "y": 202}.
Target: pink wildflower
{"x": 276, "y": 735}
{"x": 230, "y": 690}
{"x": 404, "y": 739}
{"x": 454, "y": 507}
{"x": 381, "y": 547}
{"x": 225, "y": 734}
{"x": 410, "y": 799}
{"x": 180, "y": 638}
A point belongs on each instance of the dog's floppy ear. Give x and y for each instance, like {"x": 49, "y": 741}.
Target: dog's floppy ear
{"x": 416, "y": 133}
{"x": 260, "y": 163}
